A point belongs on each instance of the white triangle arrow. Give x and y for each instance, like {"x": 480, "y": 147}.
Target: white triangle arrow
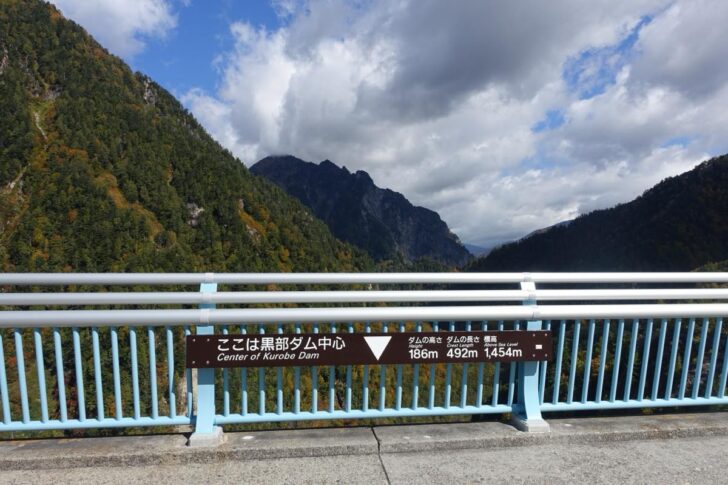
{"x": 377, "y": 345}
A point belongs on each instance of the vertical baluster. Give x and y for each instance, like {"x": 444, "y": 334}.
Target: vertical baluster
{"x": 225, "y": 381}
{"x": 464, "y": 376}
{"x": 135, "y": 373}
{"x": 244, "y": 382}
{"x": 416, "y": 376}
{"x": 630, "y": 359}
{"x": 658, "y": 363}
{"x": 448, "y": 375}
{"x": 572, "y": 364}
{"x": 617, "y": 361}
{"x": 115, "y": 372}
{"x": 431, "y": 384}
{"x": 261, "y": 379}
{"x": 481, "y": 373}
{"x": 587, "y": 361}
{"x": 700, "y": 357}
{"x": 686, "y": 359}
{"x": 559, "y": 362}
{"x": 398, "y": 389}
{"x": 60, "y": 377}
{"x": 332, "y": 379}
{"x": 512, "y": 373}
{"x": 279, "y": 382}
{"x": 604, "y": 348}
{"x": 79, "y": 375}
{"x": 314, "y": 380}
{"x": 151, "y": 342}
{"x": 40, "y": 368}
{"x": 543, "y": 369}
{"x": 496, "y": 373}
{"x": 170, "y": 373}
{"x": 20, "y": 357}
{"x": 383, "y": 378}
{"x": 188, "y": 379}
{"x": 97, "y": 374}
{"x": 365, "y": 378}
{"x": 347, "y": 403}
{"x": 645, "y": 360}
{"x": 297, "y": 381}
{"x": 713, "y": 357}
{"x": 4, "y": 383}
{"x": 724, "y": 372}
{"x": 673, "y": 359}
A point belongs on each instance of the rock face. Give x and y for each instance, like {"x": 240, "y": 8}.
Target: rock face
{"x": 381, "y": 221}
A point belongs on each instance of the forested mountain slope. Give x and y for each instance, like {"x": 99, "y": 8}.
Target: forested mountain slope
{"x": 101, "y": 169}
{"x": 678, "y": 225}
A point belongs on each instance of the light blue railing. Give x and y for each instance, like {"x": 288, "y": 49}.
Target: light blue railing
{"x": 75, "y": 369}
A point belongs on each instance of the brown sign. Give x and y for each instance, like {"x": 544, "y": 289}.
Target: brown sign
{"x": 276, "y": 350}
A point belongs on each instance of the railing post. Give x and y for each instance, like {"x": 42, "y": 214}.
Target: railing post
{"x": 527, "y": 409}
{"x": 206, "y": 433}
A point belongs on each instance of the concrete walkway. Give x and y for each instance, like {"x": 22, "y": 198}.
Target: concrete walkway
{"x": 672, "y": 448}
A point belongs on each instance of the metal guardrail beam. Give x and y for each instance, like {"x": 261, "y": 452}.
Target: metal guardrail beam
{"x": 52, "y": 279}
{"x": 255, "y": 297}
{"x": 105, "y": 318}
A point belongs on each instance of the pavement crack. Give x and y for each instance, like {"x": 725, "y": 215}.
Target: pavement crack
{"x": 379, "y": 455}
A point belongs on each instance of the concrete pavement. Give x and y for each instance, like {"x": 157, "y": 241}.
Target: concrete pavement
{"x": 670, "y": 448}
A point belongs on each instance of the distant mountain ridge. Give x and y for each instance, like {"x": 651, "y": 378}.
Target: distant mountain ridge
{"x": 477, "y": 250}
{"x": 380, "y": 221}
{"x": 678, "y": 225}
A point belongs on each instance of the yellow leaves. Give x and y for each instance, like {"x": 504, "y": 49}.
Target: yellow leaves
{"x": 108, "y": 182}
{"x": 38, "y": 236}
{"x": 251, "y": 223}
{"x": 264, "y": 213}
{"x": 98, "y": 52}
{"x": 64, "y": 152}
{"x": 55, "y": 14}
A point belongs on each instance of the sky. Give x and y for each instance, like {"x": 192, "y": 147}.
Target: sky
{"x": 504, "y": 117}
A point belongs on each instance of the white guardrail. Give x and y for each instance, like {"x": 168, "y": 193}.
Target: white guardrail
{"x": 606, "y": 354}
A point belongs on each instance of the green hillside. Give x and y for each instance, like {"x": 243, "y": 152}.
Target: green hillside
{"x": 101, "y": 169}
{"x": 678, "y": 225}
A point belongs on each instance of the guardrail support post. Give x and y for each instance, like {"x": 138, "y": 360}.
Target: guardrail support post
{"x": 206, "y": 433}
{"x": 527, "y": 410}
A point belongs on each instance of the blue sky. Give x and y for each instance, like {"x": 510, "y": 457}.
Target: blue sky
{"x": 591, "y": 71}
{"x": 185, "y": 57}
{"x": 505, "y": 117}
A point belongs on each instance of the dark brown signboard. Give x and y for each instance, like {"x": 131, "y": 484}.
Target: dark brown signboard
{"x": 276, "y": 350}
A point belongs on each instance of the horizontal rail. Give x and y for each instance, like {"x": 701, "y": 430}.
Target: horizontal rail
{"x": 96, "y": 423}
{"x": 254, "y": 297}
{"x": 359, "y": 414}
{"x": 105, "y": 318}
{"x": 50, "y": 279}
{"x": 633, "y": 404}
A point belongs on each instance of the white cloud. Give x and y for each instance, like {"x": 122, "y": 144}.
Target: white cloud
{"x": 684, "y": 46}
{"x": 439, "y": 100}
{"x": 121, "y": 25}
